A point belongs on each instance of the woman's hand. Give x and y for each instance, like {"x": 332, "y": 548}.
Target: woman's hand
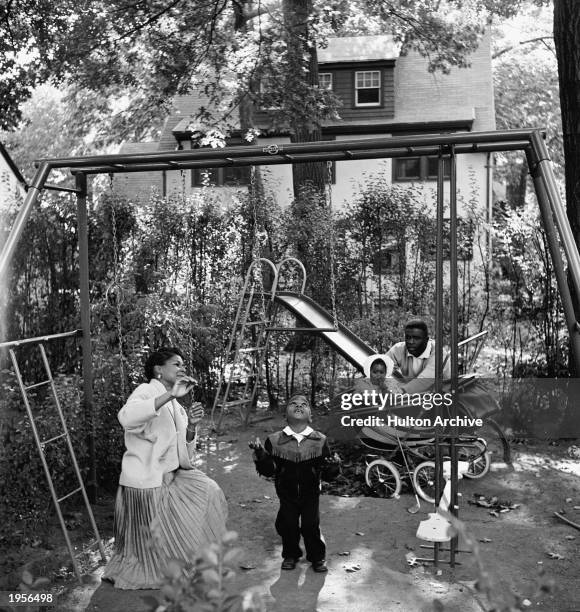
{"x": 195, "y": 414}
{"x": 183, "y": 385}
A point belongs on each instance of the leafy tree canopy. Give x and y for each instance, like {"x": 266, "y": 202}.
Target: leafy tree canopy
{"x": 124, "y": 61}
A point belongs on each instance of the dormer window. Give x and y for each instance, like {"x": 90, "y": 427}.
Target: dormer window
{"x": 367, "y": 88}
{"x": 325, "y": 80}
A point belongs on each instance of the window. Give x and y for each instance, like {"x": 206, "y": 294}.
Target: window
{"x": 386, "y": 261}
{"x": 230, "y": 176}
{"x": 236, "y": 175}
{"x": 325, "y": 80}
{"x": 419, "y": 168}
{"x": 367, "y": 87}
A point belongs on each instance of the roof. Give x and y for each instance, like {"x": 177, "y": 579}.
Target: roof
{"x": 139, "y": 147}
{"x": 12, "y": 165}
{"x": 359, "y": 49}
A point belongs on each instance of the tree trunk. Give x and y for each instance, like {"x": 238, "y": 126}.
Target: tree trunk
{"x": 567, "y": 42}
{"x": 516, "y": 187}
{"x": 302, "y": 74}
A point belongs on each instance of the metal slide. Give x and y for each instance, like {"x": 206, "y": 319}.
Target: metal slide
{"x": 348, "y": 344}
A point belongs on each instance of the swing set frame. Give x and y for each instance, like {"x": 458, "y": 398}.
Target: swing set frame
{"x": 445, "y": 146}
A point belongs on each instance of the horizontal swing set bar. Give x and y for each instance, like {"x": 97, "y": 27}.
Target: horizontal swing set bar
{"x": 256, "y": 151}
{"x": 282, "y": 158}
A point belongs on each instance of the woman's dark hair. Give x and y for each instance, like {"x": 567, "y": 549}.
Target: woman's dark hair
{"x": 160, "y": 357}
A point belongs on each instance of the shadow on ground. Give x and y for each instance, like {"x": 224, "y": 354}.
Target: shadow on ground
{"x": 369, "y": 541}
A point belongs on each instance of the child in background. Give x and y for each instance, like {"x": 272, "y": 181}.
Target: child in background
{"x": 298, "y": 457}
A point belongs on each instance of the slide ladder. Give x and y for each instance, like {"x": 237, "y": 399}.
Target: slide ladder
{"x": 244, "y": 356}
{"x": 253, "y": 323}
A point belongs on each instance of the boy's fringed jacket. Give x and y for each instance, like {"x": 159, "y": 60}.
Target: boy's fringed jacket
{"x": 297, "y": 468}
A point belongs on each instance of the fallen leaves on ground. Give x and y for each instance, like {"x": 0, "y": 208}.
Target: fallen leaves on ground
{"x": 494, "y": 504}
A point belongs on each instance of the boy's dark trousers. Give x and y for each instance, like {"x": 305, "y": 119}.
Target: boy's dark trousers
{"x": 296, "y": 516}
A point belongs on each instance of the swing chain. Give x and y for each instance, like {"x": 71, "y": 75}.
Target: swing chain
{"x": 189, "y": 283}
{"x": 256, "y": 250}
{"x": 117, "y": 286}
{"x": 331, "y": 247}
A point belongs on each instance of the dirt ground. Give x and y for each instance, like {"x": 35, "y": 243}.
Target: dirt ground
{"x": 526, "y": 556}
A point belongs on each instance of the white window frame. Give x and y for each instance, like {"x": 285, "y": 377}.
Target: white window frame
{"x": 329, "y": 82}
{"x": 363, "y": 85}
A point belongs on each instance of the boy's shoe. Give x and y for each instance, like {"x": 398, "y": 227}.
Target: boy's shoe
{"x": 289, "y": 564}
{"x": 319, "y": 566}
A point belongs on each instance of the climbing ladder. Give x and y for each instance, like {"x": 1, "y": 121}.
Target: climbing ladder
{"x": 248, "y": 342}
{"x": 43, "y": 443}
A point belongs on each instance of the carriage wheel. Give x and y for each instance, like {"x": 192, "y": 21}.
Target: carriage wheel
{"x": 478, "y": 456}
{"x": 383, "y": 478}
{"x": 424, "y": 481}
{"x": 497, "y": 442}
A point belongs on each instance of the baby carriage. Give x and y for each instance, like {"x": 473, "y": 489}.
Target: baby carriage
{"x": 396, "y": 455}
{"x": 404, "y": 451}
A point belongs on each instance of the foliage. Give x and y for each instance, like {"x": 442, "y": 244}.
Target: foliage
{"x": 527, "y": 96}
{"x": 126, "y": 62}
{"x": 533, "y": 312}
{"x": 42, "y": 289}
{"x": 23, "y": 488}
{"x": 200, "y": 585}
{"x": 45, "y": 131}
{"x": 386, "y": 230}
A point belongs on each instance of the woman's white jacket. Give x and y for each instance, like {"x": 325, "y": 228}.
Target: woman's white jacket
{"x": 155, "y": 439}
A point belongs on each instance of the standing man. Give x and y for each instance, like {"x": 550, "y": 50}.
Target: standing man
{"x": 415, "y": 359}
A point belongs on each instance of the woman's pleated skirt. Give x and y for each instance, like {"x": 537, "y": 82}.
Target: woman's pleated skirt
{"x": 153, "y": 526}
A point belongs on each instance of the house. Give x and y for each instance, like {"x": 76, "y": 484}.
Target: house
{"x": 383, "y": 94}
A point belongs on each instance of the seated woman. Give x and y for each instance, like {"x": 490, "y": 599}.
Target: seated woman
{"x": 165, "y": 508}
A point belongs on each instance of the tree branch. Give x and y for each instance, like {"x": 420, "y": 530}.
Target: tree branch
{"x": 543, "y": 39}
{"x": 151, "y": 19}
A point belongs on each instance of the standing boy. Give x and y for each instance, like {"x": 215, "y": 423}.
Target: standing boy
{"x": 298, "y": 457}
